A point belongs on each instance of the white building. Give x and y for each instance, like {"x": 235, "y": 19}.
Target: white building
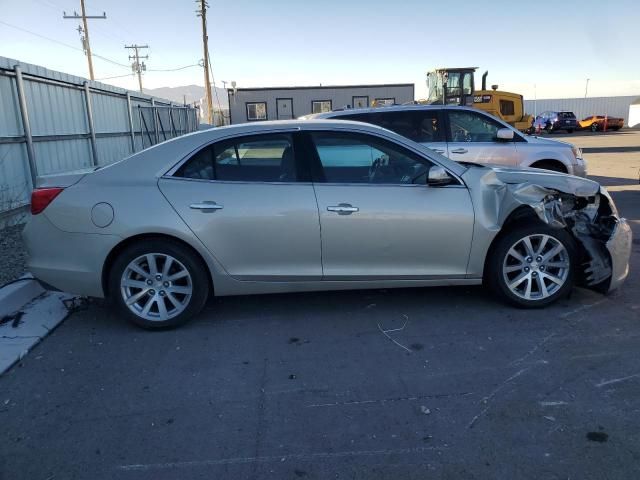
{"x": 634, "y": 113}
{"x": 585, "y": 107}
{"x": 284, "y": 103}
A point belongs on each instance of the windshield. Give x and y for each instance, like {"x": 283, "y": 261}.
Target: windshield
{"x": 456, "y": 83}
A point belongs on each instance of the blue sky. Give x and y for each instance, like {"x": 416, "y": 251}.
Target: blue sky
{"x": 554, "y": 45}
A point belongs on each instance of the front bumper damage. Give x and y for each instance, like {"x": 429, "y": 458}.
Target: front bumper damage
{"x": 619, "y": 248}
{"x": 578, "y": 205}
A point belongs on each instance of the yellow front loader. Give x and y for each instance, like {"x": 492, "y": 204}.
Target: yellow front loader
{"x": 456, "y": 86}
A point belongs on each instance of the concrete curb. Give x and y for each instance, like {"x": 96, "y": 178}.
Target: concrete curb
{"x": 15, "y": 295}
{"x": 41, "y": 312}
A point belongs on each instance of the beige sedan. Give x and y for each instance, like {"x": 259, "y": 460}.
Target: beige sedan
{"x": 315, "y": 205}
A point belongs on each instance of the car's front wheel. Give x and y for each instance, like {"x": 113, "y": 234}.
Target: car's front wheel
{"x": 532, "y": 265}
{"x": 158, "y": 284}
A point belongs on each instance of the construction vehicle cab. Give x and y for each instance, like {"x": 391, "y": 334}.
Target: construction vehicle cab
{"x": 451, "y": 86}
{"x": 456, "y": 86}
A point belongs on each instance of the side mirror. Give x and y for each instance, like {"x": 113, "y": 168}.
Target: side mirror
{"x": 438, "y": 176}
{"x": 504, "y": 134}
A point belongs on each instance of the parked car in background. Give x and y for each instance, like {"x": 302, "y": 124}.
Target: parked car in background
{"x": 468, "y": 135}
{"x": 555, "y": 121}
{"x": 597, "y": 123}
{"x": 239, "y": 210}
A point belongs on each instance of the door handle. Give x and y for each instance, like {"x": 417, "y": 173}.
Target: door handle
{"x": 460, "y": 150}
{"x": 206, "y": 206}
{"x": 343, "y": 209}
{"x": 438, "y": 150}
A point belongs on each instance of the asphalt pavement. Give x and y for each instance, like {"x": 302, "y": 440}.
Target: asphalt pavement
{"x": 442, "y": 383}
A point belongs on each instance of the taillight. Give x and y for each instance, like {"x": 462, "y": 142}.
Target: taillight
{"x": 42, "y": 197}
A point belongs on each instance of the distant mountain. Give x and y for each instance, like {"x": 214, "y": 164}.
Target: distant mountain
{"x": 193, "y": 93}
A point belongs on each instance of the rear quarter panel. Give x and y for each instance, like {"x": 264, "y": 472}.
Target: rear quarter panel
{"x": 139, "y": 208}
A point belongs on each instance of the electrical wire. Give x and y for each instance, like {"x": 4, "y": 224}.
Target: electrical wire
{"x": 215, "y": 89}
{"x": 64, "y": 44}
{"x": 116, "y": 76}
{"x": 171, "y": 69}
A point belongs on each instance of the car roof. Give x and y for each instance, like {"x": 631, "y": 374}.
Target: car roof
{"x": 391, "y": 108}
{"x": 156, "y": 160}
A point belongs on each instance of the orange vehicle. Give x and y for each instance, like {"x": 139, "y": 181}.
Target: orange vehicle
{"x": 598, "y": 123}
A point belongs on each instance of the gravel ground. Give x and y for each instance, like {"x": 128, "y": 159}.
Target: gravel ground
{"x": 12, "y": 253}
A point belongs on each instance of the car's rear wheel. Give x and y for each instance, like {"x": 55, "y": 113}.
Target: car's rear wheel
{"x": 532, "y": 265}
{"x": 158, "y": 284}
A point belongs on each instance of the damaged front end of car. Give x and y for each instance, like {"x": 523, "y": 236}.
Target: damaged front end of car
{"x": 582, "y": 207}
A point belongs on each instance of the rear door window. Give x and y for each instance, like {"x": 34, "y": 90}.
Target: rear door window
{"x": 418, "y": 125}
{"x": 258, "y": 158}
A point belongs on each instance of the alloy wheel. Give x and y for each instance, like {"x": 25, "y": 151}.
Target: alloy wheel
{"x": 156, "y": 287}
{"x": 536, "y": 267}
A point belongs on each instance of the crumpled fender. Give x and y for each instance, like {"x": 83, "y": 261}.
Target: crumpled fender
{"x": 560, "y": 201}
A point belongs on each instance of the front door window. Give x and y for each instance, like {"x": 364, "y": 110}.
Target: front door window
{"x": 357, "y": 158}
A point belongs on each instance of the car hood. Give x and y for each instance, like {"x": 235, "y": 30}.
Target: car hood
{"x": 546, "y": 142}
{"x": 561, "y": 182}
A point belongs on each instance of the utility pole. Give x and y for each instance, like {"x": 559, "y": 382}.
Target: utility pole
{"x": 202, "y": 13}
{"x": 85, "y": 29}
{"x": 136, "y": 66}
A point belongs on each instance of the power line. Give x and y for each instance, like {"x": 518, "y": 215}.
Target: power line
{"x": 84, "y": 32}
{"x": 215, "y": 90}
{"x": 53, "y": 40}
{"x": 116, "y": 76}
{"x": 173, "y": 69}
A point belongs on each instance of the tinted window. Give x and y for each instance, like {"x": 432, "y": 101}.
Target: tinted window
{"x": 260, "y": 158}
{"x": 566, "y": 115}
{"x": 360, "y": 102}
{"x": 320, "y": 106}
{"x": 429, "y": 127}
{"x": 417, "y": 125}
{"x": 358, "y": 158}
{"x": 384, "y": 101}
{"x": 507, "y": 107}
{"x": 466, "y": 83}
{"x": 256, "y": 111}
{"x": 468, "y": 126}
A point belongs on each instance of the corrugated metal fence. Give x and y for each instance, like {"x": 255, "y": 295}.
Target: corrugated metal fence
{"x": 51, "y": 122}
{"x": 584, "y": 107}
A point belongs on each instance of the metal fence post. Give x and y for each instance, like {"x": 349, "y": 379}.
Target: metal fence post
{"x": 154, "y": 110}
{"x": 172, "y": 123}
{"x": 140, "y": 123}
{"x": 92, "y": 132}
{"x": 26, "y": 126}
{"x": 133, "y": 135}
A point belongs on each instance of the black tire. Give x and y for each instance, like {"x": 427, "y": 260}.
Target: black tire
{"x": 185, "y": 256}
{"x": 570, "y": 130}
{"x": 594, "y": 127}
{"x": 495, "y": 279}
